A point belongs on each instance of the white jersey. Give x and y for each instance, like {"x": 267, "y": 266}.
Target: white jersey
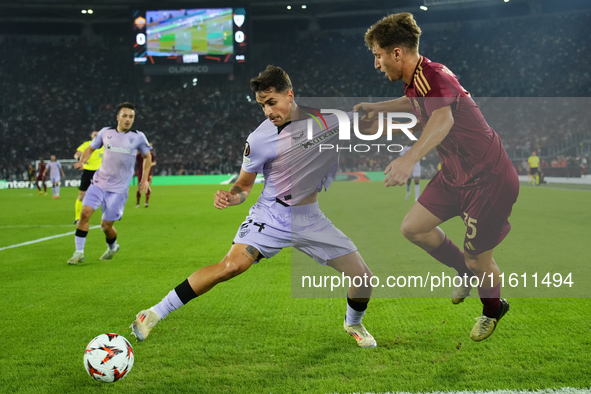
{"x": 116, "y": 170}
{"x": 54, "y": 169}
{"x": 416, "y": 171}
{"x": 292, "y": 164}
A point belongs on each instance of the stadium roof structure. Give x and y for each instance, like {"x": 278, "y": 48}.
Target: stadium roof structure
{"x": 18, "y": 16}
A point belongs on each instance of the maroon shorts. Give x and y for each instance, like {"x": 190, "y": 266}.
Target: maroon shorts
{"x": 484, "y": 210}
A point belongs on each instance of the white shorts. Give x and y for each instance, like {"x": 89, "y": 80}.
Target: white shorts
{"x": 303, "y": 227}
{"x": 416, "y": 170}
{"x": 112, "y": 204}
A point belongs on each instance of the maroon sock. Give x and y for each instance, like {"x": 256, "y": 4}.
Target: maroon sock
{"x": 449, "y": 254}
{"x": 148, "y": 195}
{"x": 490, "y": 300}
{"x": 139, "y": 196}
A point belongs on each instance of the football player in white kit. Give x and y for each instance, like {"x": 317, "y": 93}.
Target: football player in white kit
{"x": 416, "y": 175}
{"x": 286, "y": 213}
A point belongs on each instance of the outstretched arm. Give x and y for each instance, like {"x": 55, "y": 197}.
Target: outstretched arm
{"x": 84, "y": 158}
{"x": 437, "y": 128}
{"x": 238, "y": 193}
{"x": 369, "y": 122}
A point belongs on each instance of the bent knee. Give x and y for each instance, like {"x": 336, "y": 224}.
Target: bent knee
{"x": 410, "y": 231}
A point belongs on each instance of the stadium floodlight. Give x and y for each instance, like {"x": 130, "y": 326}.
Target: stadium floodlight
{"x": 423, "y": 8}
{"x": 90, "y": 11}
{"x": 304, "y": 6}
{"x": 506, "y": 1}
{"x": 289, "y": 7}
{"x": 83, "y": 11}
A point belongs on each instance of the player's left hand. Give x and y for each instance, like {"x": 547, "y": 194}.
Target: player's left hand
{"x": 398, "y": 172}
{"x": 144, "y": 186}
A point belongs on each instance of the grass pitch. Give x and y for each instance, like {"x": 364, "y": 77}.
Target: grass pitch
{"x": 249, "y": 335}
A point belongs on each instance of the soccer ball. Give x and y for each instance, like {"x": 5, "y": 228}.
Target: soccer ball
{"x": 108, "y": 358}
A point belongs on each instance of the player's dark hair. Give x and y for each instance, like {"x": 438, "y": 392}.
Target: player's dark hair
{"x": 125, "y": 105}
{"x": 272, "y": 77}
{"x": 395, "y": 30}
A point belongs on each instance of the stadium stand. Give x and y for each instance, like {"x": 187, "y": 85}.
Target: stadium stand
{"x": 54, "y": 94}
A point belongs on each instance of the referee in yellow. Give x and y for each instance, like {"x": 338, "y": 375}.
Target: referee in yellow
{"x": 534, "y": 163}
{"x": 94, "y": 162}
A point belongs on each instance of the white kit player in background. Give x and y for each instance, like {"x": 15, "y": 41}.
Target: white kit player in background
{"x": 416, "y": 175}
{"x": 110, "y": 183}
{"x": 55, "y": 168}
{"x": 286, "y": 213}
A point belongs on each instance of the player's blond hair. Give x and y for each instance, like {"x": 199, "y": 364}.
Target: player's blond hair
{"x": 395, "y": 30}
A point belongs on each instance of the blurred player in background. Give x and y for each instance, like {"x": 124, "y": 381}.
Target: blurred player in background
{"x": 110, "y": 183}
{"x": 55, "y": 169}
{"x": 41, "y": 176}
{"x": 94, "y": 162}
{"x": 416, "y": 175}
{"x": 31, "y": 174}
{"x": 139, "y": 171}
{"x": 533, "y": 163}
{"x": 477, "y": 180}
{"x": 286, "y": 213}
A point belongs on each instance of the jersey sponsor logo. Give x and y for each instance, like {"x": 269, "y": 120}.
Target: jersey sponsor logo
{"x": 246, "y": 149}
{"x": 298, "y": 137}
{"x": 117, "y": 149}
{"x": 242, "y": 233}
{"x": 319, "y": 139}
{"x": 246, "y": 160}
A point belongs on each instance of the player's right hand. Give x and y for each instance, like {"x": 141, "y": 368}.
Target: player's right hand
{"x": 223, "y": 199}
{"x": 369, "y": 108}
{"x": 79, "y": 165}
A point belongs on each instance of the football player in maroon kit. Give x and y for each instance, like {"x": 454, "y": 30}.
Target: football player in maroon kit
{"x": 41, "y": 176}
{"x": 139, "y": 160}
{"x": 477, "y": 180}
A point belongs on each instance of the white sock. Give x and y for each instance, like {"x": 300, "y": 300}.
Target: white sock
{"x": 353, "y": 317}
{"x": 417, "y": 191}
{"x": 170, "y": 303}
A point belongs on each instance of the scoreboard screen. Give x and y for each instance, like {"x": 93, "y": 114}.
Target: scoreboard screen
{"x": 190, "y": 36}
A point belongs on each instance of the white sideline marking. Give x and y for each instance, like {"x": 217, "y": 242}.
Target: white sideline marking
{"x": 563, "y": 390}
{"x": 45, "y": 239}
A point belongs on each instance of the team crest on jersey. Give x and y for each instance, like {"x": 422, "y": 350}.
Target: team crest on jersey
{"x": 131, "y": 140}
{"x": 242, "y": 233}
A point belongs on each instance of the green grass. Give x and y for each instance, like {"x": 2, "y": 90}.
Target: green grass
{"x": 249, "y": 335}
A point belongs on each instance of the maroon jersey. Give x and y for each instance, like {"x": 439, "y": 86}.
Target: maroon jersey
{"x": 40, "y": 170}
{"x": 472, "y": 153}
{"x": 140, "y": 165}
